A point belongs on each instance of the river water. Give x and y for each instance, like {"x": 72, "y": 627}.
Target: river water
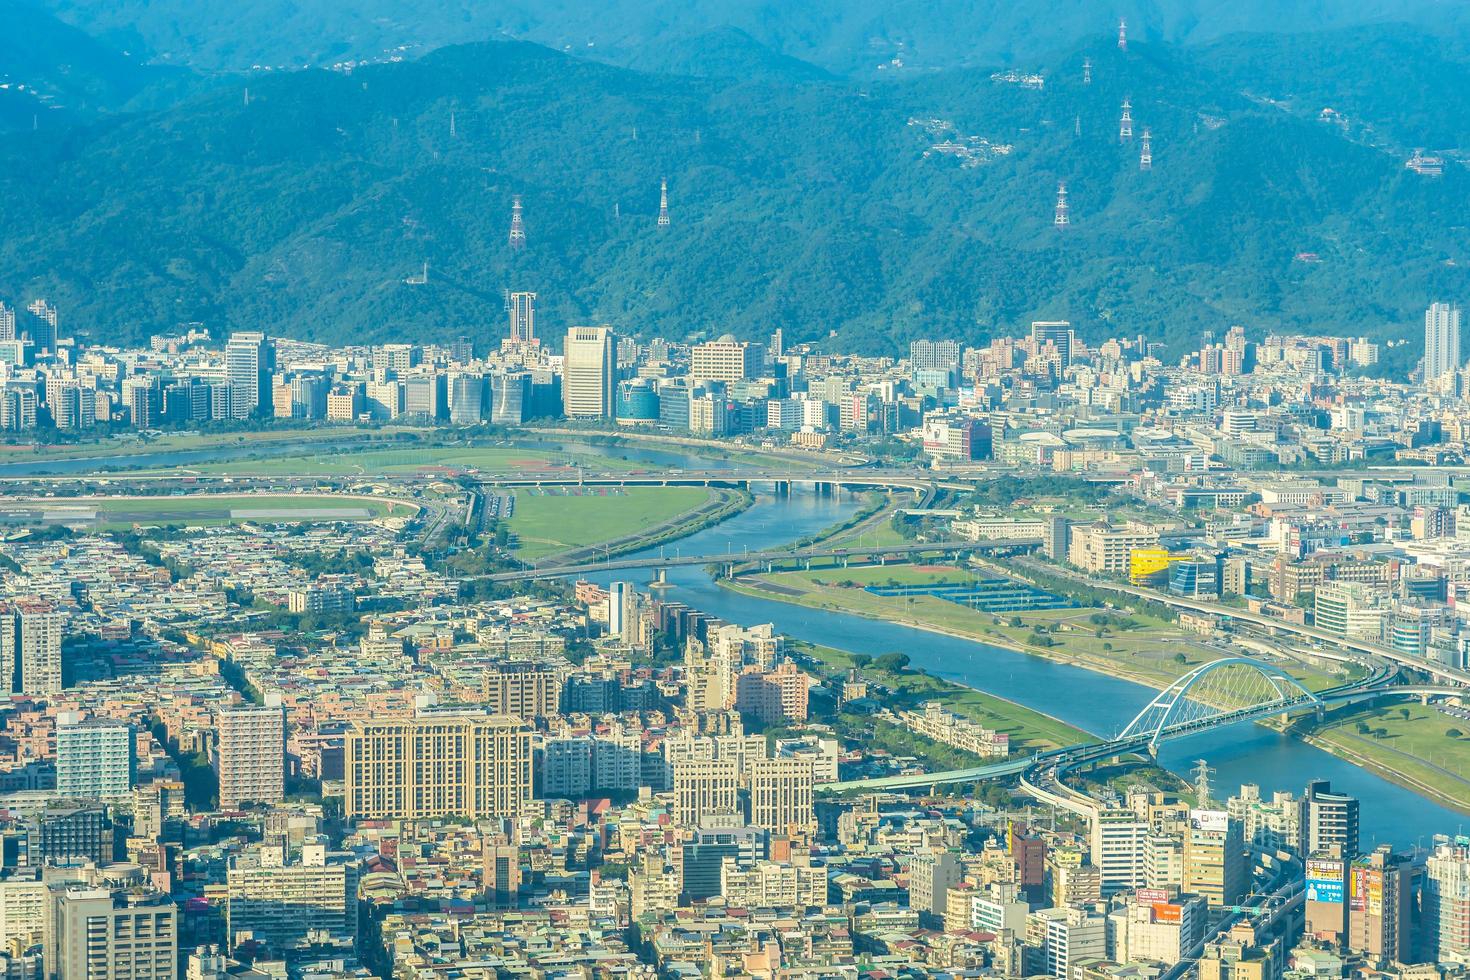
{"x": 1088, "y": 700}
{"x": 1094, "y": 702}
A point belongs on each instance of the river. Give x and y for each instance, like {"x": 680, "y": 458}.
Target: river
{"x": 1094, "y": 702}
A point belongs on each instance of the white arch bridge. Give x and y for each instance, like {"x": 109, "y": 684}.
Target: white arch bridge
{"x": 1221, "y": 692}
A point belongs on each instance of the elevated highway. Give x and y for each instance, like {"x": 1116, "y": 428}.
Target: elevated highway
{"x": 768, "y": 559}
{"x": 1189, "y": 706}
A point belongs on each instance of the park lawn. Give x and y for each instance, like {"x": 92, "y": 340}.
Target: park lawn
{"x": 1030, "y": 731}
{"x": 1414, "y": 749}
{"x": 548, "y": 523}
{"x": 873, "y": 536}
{"x": 1150, "y": 650}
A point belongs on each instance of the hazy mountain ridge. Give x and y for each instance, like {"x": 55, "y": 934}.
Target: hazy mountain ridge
{"x": 812, "y": 207}
{"x": 856, "y": 35}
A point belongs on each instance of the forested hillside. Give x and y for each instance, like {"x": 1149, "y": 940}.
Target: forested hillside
{"x": 799, "y": 200}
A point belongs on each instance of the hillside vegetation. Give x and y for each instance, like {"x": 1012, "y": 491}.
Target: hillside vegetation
{"x": 799, "y": 200}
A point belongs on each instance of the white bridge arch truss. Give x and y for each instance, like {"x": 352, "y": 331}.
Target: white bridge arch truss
{"x": 1220, "y": 692}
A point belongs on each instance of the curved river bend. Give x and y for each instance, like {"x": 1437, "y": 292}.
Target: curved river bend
{"x": 1095, "y": 702}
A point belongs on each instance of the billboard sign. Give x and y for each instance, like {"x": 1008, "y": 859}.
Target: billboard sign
{"x": 1215, "y": 821}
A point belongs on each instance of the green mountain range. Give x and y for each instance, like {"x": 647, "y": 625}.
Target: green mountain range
{"x": 799, "y": 200}
{"x": 843, "y": 36}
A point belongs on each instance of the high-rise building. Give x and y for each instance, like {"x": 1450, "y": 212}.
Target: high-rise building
{"x": 1441, "y": 340}
{"x": 1331, "y": 820}
{"x": 102, "y": 934}
{"x": 1325, "y": 908}
{"x": 1118, "y": 849}
{"x": 931, "y": 875}
{"x": 438, "y": 765}
{"x": 95, "y": 758}
{"x": 1057, "y": 334}
{"x": 249, "y": 364}
{"x": 41, "y": 327}
{"x": 522, "y": 689}
{"x": 619, "y": 595}
{"x": 24, "y": 903}
{"x": 1055, "y": 535}
{"x": 467, "y": 399}
{"x": 934, "y": 355}
{"x": 1165, "y": 931}
{"x": 781, "y": 796}
{"x": 705, "y": 789}
{"x": 287, "y": 900}
{"x": 425, "y": 396}
{"x": 66, "y": 831}
{"x": 250, "y": 758}
{"x": 37, "y": 648}
{"x": 1068, "y": 936}
{"x": 1446, "y": 904}
{"x": 144, "y": 400}
{"x": 589, "y": 372}
{"x": 726, "y": 359}
{"x": 510, "y": 395}
{"x": 522, "y": 310}
{"x": 502, "y": 875}
{"x": 1380, "y": 897}
{"x": 1214, "y": 857}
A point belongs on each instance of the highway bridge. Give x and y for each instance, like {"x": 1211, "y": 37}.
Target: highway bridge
{"x": 1366, "y": 650}
{"x": 714, "y": 478}
{"x": 770, "y": 560}
{"x": 1213, "y": 695}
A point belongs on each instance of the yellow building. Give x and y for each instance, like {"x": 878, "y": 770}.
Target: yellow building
{"x": 1147, "y": 566}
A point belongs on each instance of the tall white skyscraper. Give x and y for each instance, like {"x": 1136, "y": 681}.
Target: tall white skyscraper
{"x": 1441, "y": 340}
{"x": 589, "y": 374}
{"x": 249, "y": 363}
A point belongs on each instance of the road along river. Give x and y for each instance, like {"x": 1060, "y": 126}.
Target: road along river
{"x": 1095, "y": 702}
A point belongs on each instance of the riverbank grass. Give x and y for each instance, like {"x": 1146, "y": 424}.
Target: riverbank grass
{"x": 1030, "y": 730}
{"x": 1414, "y": 744}
{"x": 548, "y": 523}
{"x": 1135, "y": 645}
